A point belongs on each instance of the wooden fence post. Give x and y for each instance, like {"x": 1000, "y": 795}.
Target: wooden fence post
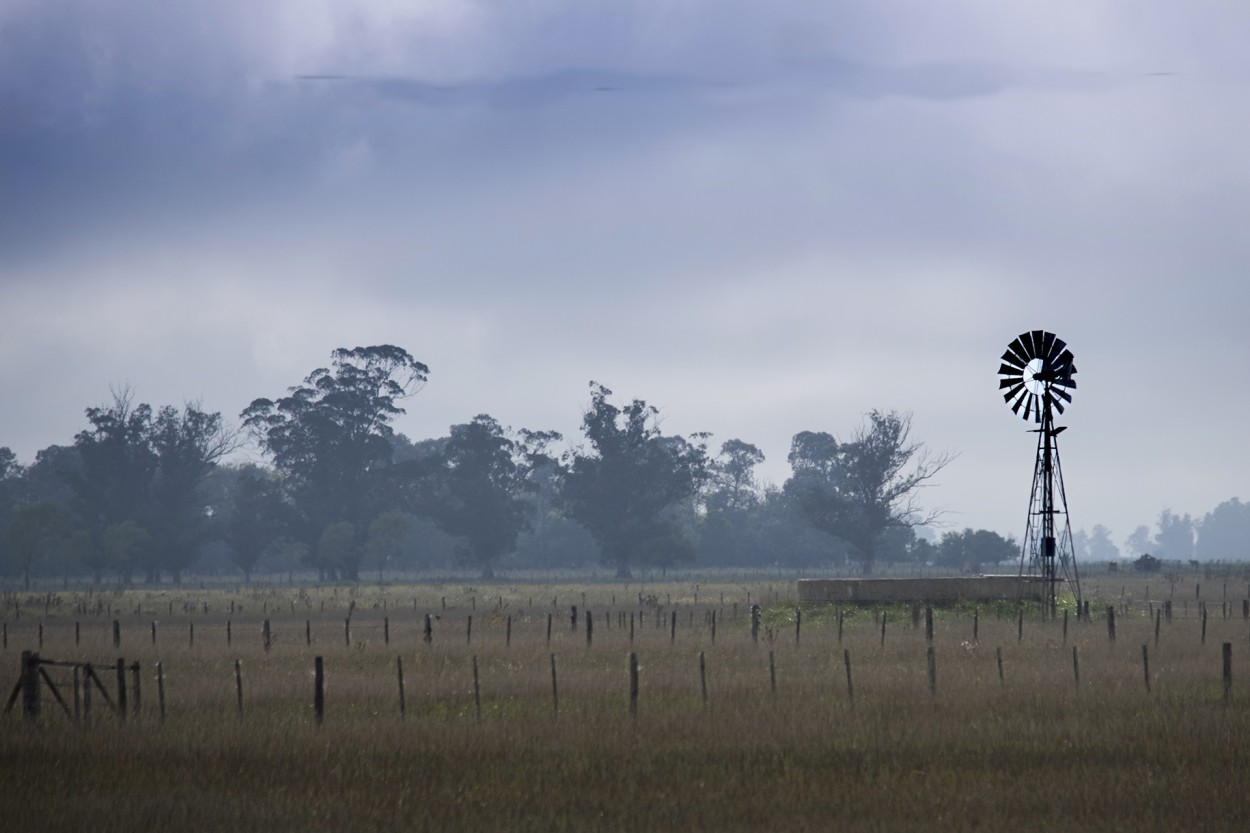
{"x": 883, "y": 617}
{"x": 633, "y": 684}
{"x": 428, "y": 635}
{"x": 477, "y": 690}
{"x": 121, "y": 689}
{"x": 998, "y": 655}
{"x": 319, "y": 691}
{"x": 160, "y": 689}
{"x": 1145, "y": 667}
{"x": 555, "y": 688}
{"x": 590, "y": 628}
{"x": 850, "y": 687}
{"x": 703, "y": 676}
{"x": 399, "y": 669}
{"x": 772, "y": 672}
{"x": 30, "y": 685}
{"x": 1228, "y": 672}
{"x": 117, "y": 633}
{"x": 928, "y": 623}
{"x": 508, "y": 633}
{"x": 137, "y": 686}
{"x": 755, "y": 623}
{"x": 468, "y": 631}
{"x": 798, "y": 625}
{"x": 386, "y": 630}
{"x": 238, "y": 686}
{"x": 932, "y": 658}
{"x": 1076, "y": 669}
{"x": 976, "y": 624}
{"x": 1111, "y": 622}
{"x": 153, "y": 631}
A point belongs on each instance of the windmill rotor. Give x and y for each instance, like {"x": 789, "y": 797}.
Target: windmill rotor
{"x": 1036, "y": 374}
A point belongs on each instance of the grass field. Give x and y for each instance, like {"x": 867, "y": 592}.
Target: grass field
{"x": 1040, "y": 748}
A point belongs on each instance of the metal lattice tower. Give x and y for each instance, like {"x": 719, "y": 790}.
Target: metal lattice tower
{"x": 1036, "y": 376}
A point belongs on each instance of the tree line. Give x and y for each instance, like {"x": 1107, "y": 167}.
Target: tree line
{"x": 144, "y": 493}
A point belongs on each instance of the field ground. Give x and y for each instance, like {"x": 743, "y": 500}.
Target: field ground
{"x": 1046, "y": 746}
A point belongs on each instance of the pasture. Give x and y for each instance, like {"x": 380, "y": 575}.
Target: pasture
{"x": 1022, "y": 726}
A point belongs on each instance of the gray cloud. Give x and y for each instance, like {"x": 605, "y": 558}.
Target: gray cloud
{"x": 764, "y": 220}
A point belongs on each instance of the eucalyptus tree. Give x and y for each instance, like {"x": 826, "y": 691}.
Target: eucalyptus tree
{"x": 859, "y": 489}
{"x": 331, "y": 440}
{"x": 626, "y": 488}
{"x": 481, "y": 487}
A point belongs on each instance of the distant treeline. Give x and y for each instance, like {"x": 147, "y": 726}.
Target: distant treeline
{"x": 144, "y": 493}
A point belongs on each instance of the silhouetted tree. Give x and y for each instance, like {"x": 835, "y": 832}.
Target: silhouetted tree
{"x": 331, "y": 439}
{"x": 481, "y": 479}
{"x": 626, "y": 487}
{"x": 857, "y": 490}
{"x": 1175, "y": 536}
{"x": 971, "y": 549}
{"x": 1224, "y": 534}
{"x": 36, "y": 531}
{"x": 256, "y": 519}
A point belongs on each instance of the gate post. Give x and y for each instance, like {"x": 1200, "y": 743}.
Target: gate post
{"x": 30, "y": 685}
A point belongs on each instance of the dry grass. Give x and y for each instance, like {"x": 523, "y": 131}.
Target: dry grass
{"x": 1034, "y": 752}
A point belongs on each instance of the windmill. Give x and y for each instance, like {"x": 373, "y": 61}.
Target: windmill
{"x": 1036, "y": 379}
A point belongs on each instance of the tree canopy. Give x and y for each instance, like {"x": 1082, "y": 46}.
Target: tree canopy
{"x": 859, "y": 489}
{"x": 625, "y": 488}
{"x": 330, "y": 438}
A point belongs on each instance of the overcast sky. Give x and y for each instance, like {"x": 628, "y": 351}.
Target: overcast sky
{"x": 763, "y": 218}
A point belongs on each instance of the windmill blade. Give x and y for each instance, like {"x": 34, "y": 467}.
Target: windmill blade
{"x": 1011, "y": 364}
{"x": 1057, "y": 347}
{"x": 1057, "y": 405}
{"x": 1046, "y": 346}
{"x": 1036, "y": 337}
{"x": 1062, "y": 363}
{"x": 1015, "y": 385}
{"x": 1028, "y": 405}
{"x": 1015, "y": 409}
{"x": 1061, "y": 393}
{"x": 1014, "y": 392}
{"x": 1005, "y": 369}
{"x": 1018, "y": 349}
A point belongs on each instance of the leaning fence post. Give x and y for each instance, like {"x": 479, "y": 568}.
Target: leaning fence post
{"x": 319, "y": 691}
